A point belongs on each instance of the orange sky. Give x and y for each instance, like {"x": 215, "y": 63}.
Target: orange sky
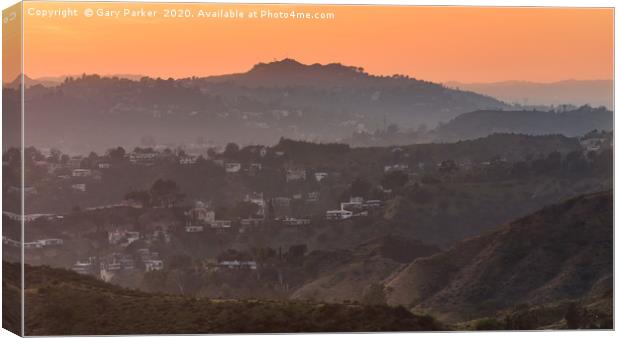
{"x": 469, "y": 44}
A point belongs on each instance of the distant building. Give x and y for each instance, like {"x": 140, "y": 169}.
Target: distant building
{"x": 221, "y": 224}
{"x": 295, "y": 221}
{"x": 313, "y": 196}
{"x": 188, "y": 160}
{"x": 395, "y": 167}
{"x": 103, "y": 165}
{"x": 194, "y": 228}
{"x": 123, "y": 237}
{"x": 338, "y": 214}
{"x": 319, "y": 176}
{"x": 295, "y": 175}
{"x": 236, "y": 264}
{"x": 232, "y": 167}
{"x": 81, "y": 173}
{"x": 81, "y": 187}
{"x": 154, "y": 265}
{"x": 201, "y": 213}
{"x": 143, "y": 158}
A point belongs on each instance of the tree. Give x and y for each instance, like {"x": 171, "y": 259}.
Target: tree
{"x": 165, "y": 193}
{"x": 360, "y": 187}
{"x": 231, "y": 149}
{"x": 141, "y": 196}
{"x": 395, "y": 179}
{"x": 212, "y": 153}
{"x": 296, "y": 253}
{"x": 117, "y": 154}
{"x": 245, "y": 209}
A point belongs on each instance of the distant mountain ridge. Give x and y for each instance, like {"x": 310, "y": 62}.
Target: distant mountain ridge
{"x": 576, "y": 92}
{"x": 282, "y": 98}
{"x": 570, "y": 123}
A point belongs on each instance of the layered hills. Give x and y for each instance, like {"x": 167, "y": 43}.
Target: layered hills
{"x": 563, "y": 252}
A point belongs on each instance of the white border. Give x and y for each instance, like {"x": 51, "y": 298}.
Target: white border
{"x": 566, "y": 3}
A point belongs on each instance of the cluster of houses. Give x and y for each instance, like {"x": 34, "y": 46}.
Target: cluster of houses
{"x": 106, "y": 267}
{"x": 355, "y": 207}
{"x": 38, "y": 244}
{"x": 200, "y": 217}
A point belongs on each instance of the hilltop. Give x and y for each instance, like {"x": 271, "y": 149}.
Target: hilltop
{"x": 563, "y": 252}
{"x": 64, "y": 302}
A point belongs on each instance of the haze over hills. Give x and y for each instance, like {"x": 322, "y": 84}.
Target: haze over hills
{"x": 562, "y": 252}
{"x": 481, "y": 123}
{"x": 272, "y": 100}
{"x": 283, "y": 98}
{"x": 575, "y": 92}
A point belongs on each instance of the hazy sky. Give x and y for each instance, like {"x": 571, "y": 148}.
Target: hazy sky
{"x": 468, "y": 44}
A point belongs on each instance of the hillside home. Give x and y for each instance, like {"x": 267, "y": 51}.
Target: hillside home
{"x": 354, "y": 204}
{"x": 123, "y": 237}
{"x": 201, "y": 213}
{"x": 104, "y": 165}
{"x": 319, "y": 176}
{"x": 295, "y": 175}
{"x": 336, "y": 215}
{"x": 194, "y": 228}
{"x": 33, "y": 245}
{"x": 236, "y": 264}
{"x": 81, "y": 173}
{"x": 154, "y": 265}
{"x": 221, "y": 224}
{"x": 256, "y": 198}
{"x": 295, "y": 221}
{"x": 252, "y": 222}
{"x": 395, "y": 167}
{"x": 283, "y": 202}
{"x": 74, "y": 162}
{"x": 313, "y": 196}
{"x": 188, "y": 160}
{"x": 143, "y": 158}
{"x": 79, "y": 187}
{"x": 232, "y": 167}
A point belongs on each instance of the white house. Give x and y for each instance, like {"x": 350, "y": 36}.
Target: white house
{"x": 338, "y": 214}
{"x": 319, "y": 176}
{"x": 81, "y": 173}
{"x": 154, "y": 265}
{"x": 232, "y": 167}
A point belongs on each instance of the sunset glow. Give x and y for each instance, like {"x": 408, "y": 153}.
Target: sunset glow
{"x": 469, "y": 44}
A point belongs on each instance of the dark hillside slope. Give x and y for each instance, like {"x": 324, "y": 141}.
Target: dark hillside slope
{"x": 60, "y": 302}
{"x": 559, "y": 253}
{"x": 481, "y": 123}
